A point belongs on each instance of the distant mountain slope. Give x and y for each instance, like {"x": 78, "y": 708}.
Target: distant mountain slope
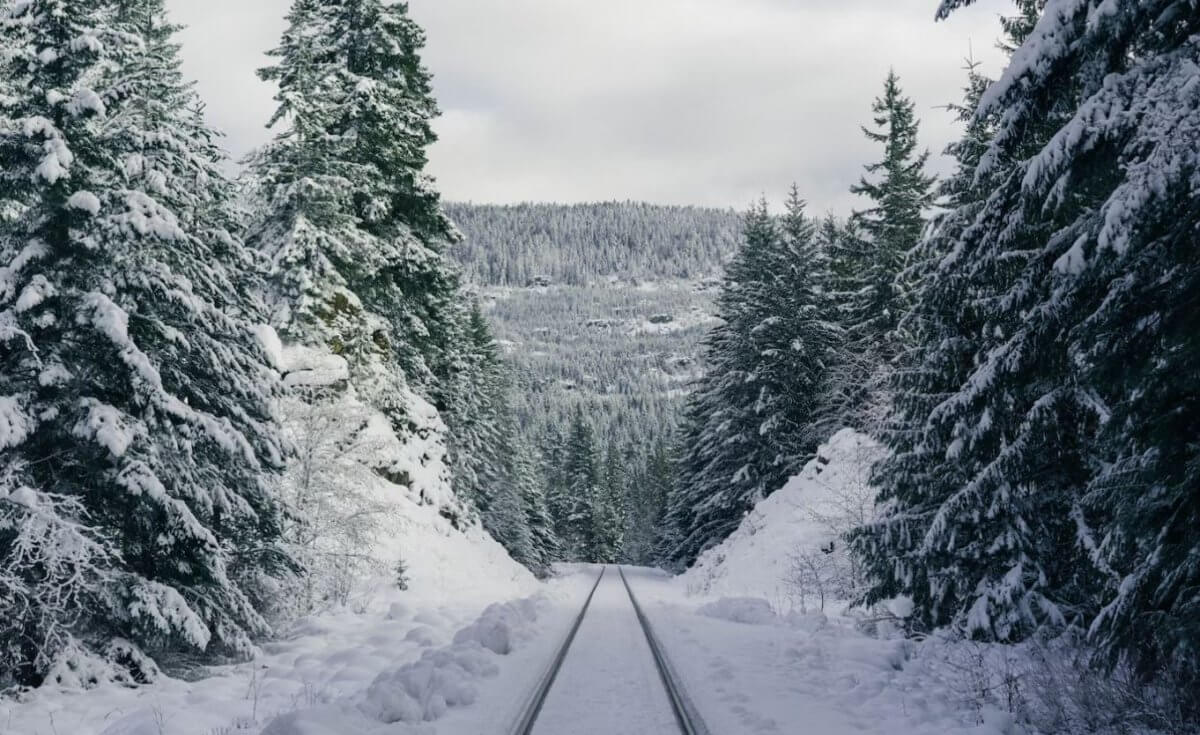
{"x": 524, "y": 244}
{"x": 600, "y": 307}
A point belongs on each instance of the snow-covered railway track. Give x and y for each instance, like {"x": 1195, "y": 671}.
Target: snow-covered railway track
{"x": 529, "y": 713}
{"x": 610, "y": 676}
{"x": 686, "y": 716}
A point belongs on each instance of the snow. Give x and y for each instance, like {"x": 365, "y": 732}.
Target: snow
{"x": 749, "y": 610}
{"x": 749, "y": 671}
{"x": 86, "y": 201}
{"x": 307, "y": 366}
{"x": 103, "y": 424}
{"x": 56, "y": 164}
{"x": 15, "y": 424}
{"x": 323, "y": 667}
{"x": 756, "y": 658}
{"x": 271, "y": 345}
{"x": 86, "y": 101}
{"x": 757, "y": 558}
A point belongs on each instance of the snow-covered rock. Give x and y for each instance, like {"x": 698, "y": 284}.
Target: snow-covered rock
{"x": 749, "y": 610}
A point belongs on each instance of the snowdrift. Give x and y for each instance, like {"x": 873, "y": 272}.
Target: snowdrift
{"x": 831, "y": 494}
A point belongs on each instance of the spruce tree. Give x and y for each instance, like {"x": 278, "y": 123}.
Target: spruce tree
{"x": 871, "y": 253}
{"x": 721, "y": 471}
{"x": 478, "y": 413}
{"x": 763, "y": 405}
{"x": 606, "y": 510}
{"x": 348, "y": 219}
{"x": 1067, "y": 436}
{"x": 544, "y": 543}
{"x": 135, "y": 398}
{"x": 581, "y": 483}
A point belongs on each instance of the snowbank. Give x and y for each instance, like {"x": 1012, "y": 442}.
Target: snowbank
{"x": 830, "y": 494}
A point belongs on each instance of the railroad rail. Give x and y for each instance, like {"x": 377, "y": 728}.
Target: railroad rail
{"x": 686, "y": 716}
{"x": 533, "y": 706}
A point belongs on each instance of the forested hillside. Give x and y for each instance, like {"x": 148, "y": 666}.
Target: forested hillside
{"x": 578, "y": 244}
{"x": 600, "y": 309}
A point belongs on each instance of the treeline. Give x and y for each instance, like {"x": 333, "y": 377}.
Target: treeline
{"x": 1028, "y": 352}
{"x": 577, "y": 244}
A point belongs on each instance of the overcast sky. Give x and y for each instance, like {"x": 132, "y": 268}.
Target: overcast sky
{"x": 674, "y": 101}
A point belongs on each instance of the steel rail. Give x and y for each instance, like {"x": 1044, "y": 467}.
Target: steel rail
{"x": 533, "y": 706}
{"x": 686, "y": 715}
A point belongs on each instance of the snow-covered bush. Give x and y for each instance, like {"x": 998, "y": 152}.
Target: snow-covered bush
{"x": 52, "y": 569}
{"x": 333, "y": 517}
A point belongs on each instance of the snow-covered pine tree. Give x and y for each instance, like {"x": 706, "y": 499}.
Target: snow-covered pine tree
{"x": 871, "y": 253}
{"x": 581, "y": 482}
{"x": 476, "y": 406}
{"x": 799, "y": 344}
{"x": 720, "y": 471}
{"x": 646, "y": 490}
{"x": 762, "y": 407}
{"x": 1072, "y": 428}
{"x": 350, "y": 222}
{"x": 900, "y": 193}
{"x": 945, "y": 327}
{"x": 545, "y": 547}
{"x": 606, "y": 510}
{"x": 136, "y": 404}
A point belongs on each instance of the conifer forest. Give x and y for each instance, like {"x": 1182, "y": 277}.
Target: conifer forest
{"x": 306, "y": 439}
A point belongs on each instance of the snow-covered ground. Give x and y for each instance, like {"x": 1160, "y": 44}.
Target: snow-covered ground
{"x": 831, "y": 494}
{"x": 755, "y": 655}
{"x": 334, "y": 657}
{"x": 745, "y": 630}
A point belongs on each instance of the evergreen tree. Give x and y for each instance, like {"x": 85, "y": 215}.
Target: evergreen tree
{"x": 581, "y": 475}
{"x": 1068, "y": 436}
{"x": 348, "y": 219}
{"x": 478, "y": 414}
{"x": 545, "y": 547}
{"x": 761, "y": 408}
{"x": 136, "y": 401}
{"x": 647, "y": 489}
{"x": 721, "y": 471}
{"x": 871, "y": 254}
{"x": 607, "y": 511}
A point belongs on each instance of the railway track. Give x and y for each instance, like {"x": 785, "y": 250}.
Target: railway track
{"x": 620, "y": 634}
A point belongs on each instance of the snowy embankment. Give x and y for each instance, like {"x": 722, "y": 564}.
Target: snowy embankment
{"x": 393, "y": 654}
{"x": 745, "y": 629}
{"x": 760, "y": 559}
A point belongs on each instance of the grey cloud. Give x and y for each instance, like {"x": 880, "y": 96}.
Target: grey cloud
{"x": 679, "y": 101}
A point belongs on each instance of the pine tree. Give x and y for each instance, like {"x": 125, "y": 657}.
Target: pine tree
{"x": 763, "y": 405}
{"x": 478, "y": 413}
{"x": 646, "y": 491}
{"x": 871, "y": 254}
{"x": 721, "y": 471}
{"x": 606, "y": 508}
{"x": 348, "y": 219}
{"x": 135, "y": 399}
{"x": 1068, "y": 436}
{"x": 581, "y": 483}
{"x": 544, "y": 543}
